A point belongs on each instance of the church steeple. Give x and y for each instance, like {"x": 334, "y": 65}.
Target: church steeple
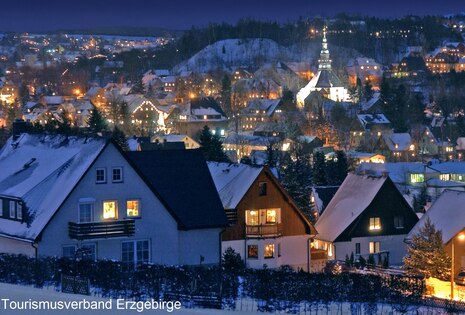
{"x": 324, "y": 63}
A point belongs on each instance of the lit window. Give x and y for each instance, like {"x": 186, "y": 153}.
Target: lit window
{"x": 252, "y": 217}
{"x": 101, "y": 176}
{"x": 269, "y": 251}
{"x": 375, "y": 224}
{"x": 262, "y": 189}
{"x": 252, "y": 251}
{"x": 132, "y": 208}
{"x": 399, "y": 222}
{"x": 117, "y": 174}
{"x": 271, "y": 216}
{"x": 86, "y": 212}
{"x": 417, "y": 178}
{"x": 374, "y": 247}
{"x": 110, "y": 209}
{"x": 444, "y": 176}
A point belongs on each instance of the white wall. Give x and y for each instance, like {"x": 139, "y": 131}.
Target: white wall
{"x": 294, "y": 251}
{"x": 392, "y": 243}
{"x": 156, "y": 224}
{"x": 12, "y": 246}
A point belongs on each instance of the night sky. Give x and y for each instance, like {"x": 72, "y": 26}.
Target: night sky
{"x": 45, "y": 15}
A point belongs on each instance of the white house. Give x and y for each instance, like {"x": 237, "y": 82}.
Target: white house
{"x": 61, "y": 193}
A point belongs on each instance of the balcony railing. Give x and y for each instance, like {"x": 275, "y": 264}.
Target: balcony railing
{"x": 106, "y": 229}
{"x": 263, "y": 230}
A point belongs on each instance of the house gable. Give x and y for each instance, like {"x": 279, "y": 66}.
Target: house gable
{"x": 387, "y": 205}
{"x": 292, "y": 220}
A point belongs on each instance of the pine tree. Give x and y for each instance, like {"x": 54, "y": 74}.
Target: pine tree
{"x": 342, "y": 167}
{"x": 96, "y": 121}
{"x": 211, "y": 146}
{"x": 296, "y": 178}
{"x": 138, "y": 87}
{"x": 426, "y": 253}
{"x": 319, "y": 169}
{"x": 226, "y": 94}
{"x": 120, "y": 139}
{"x": 419, "y": 202}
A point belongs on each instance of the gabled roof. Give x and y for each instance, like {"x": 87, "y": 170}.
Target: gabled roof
{"x": 41, "y": 171}
{"x": 232, "y": 181}
{"x": 447, "y": 214}
{"x": 370, "y": 119}
{"x": 266, "y": 105}
{"x": 206, "y": 103}
{"x": 352, "y": 198}
{"x": 398, "y": 141}
{"x": 323, "y": 195}
{"x": 182, "y": 182}
{"x": 397, "y": 171}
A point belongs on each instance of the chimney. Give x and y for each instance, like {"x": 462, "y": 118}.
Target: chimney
{"x": 385, "y": 174}
{"x": 19, "y": 127}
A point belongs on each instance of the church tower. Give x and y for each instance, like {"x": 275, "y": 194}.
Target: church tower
{"x": 324, "y": 63}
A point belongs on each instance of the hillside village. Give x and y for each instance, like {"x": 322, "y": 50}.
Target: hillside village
{"x": 315, "y": 155}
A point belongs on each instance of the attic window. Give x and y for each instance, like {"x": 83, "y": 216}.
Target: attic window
{"x": 375, "y": 224}
{"x": 262, "y": 189}
{"x": 100, "y": 175}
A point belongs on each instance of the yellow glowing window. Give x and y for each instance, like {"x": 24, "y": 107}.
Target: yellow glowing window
{"x": 270, "y": 216}
{"x": 252, "y": 217}
{"x": 375, "y": 224}
{"x": 269, "y": 251}
{"x": 374, "y": 247}
{"x": 132, "y": 208}
{"x": 110, "y": 209}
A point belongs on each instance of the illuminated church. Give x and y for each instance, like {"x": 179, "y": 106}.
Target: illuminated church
{"x": 325, "y": 81}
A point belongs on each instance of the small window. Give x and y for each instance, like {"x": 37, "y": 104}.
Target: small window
{"x": 12, "y": 209}
{"x": 271, "y": 216}
{"x": 69, "y": 251}
{"x": 86, "y": 212}
{"x": 251, "y": 217}
{"x": 399, "y": 222}
{"x": 132, "y": 208}
{"x": 279, "y": 249}
{"x": 357, "y": 248}
{"x": 100, "y": 176}
{"x": 110, "y": 209}
{"x": 374, "y": 247}
{"x": 19, "y": 211}
{"x": 252, "y": 251}
{"x": 269, "y": 251}
{"x": 262, "y": 189}
{"x": 87, "y": 252}
{"x": 375, "y": 224}
{"x": 117, "y": 175}
{"x": 1, "y": 207}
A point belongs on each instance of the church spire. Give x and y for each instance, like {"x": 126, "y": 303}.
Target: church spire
{"x": 324, "y": 63}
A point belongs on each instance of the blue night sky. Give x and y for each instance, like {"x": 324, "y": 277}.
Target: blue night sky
{"x": 43, "y": 15}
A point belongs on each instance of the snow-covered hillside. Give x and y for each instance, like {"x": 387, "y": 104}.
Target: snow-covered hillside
{"x": 230, "y": 54}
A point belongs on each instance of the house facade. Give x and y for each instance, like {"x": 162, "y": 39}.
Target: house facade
{"x": 109, "y": 207}
{"x": 265, "y": 226}
{"x": 367, "y": 215}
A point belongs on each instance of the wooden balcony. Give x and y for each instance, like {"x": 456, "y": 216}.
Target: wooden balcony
{"x": 264, "y": 230}
{"x": 105, "y": 229}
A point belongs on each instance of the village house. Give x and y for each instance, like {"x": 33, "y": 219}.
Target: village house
{"x": 265, "y": 226}
{"x": 63, "y": 194}
{"x": 367, "y": 216}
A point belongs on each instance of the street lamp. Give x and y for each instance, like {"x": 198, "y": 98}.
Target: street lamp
{"x": 452, "y": 272}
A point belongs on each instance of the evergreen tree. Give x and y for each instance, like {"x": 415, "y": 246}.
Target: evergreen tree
{"x": 96, "y": 121}
{"x": 368, "y": 91}
{"x": 120, "y": 138}
{"x": 138, "y": 87}
{"x": 419, "y": 202}
{"x": 426, "y": 253}
{"x": 296, "y": 177}
{"x": 319, "y": 169}
{"x": 226, "y": 94}
{"x": 211, "y": 146}
{"x": 342, "y": 167}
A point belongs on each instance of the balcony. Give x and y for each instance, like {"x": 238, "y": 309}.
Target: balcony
{"x": 106, "y": 229}
{"x": 264, "y": 230}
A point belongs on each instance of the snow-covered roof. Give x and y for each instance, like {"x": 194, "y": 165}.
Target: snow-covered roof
{"x": 447, "y": 214}
{"x": 449, "y": 167}
{"x": 398, "y": 141}
{"x": 397, "y": 171}
{"x": 266, "y": 105}
{"x": 352, "y": 198}
{"x": 366, "y": 119}
{"x": 232, "y": 181}
{"x": 42, "y": 171}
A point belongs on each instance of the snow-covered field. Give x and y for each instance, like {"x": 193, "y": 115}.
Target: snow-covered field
{"x": 18, "y": 293}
